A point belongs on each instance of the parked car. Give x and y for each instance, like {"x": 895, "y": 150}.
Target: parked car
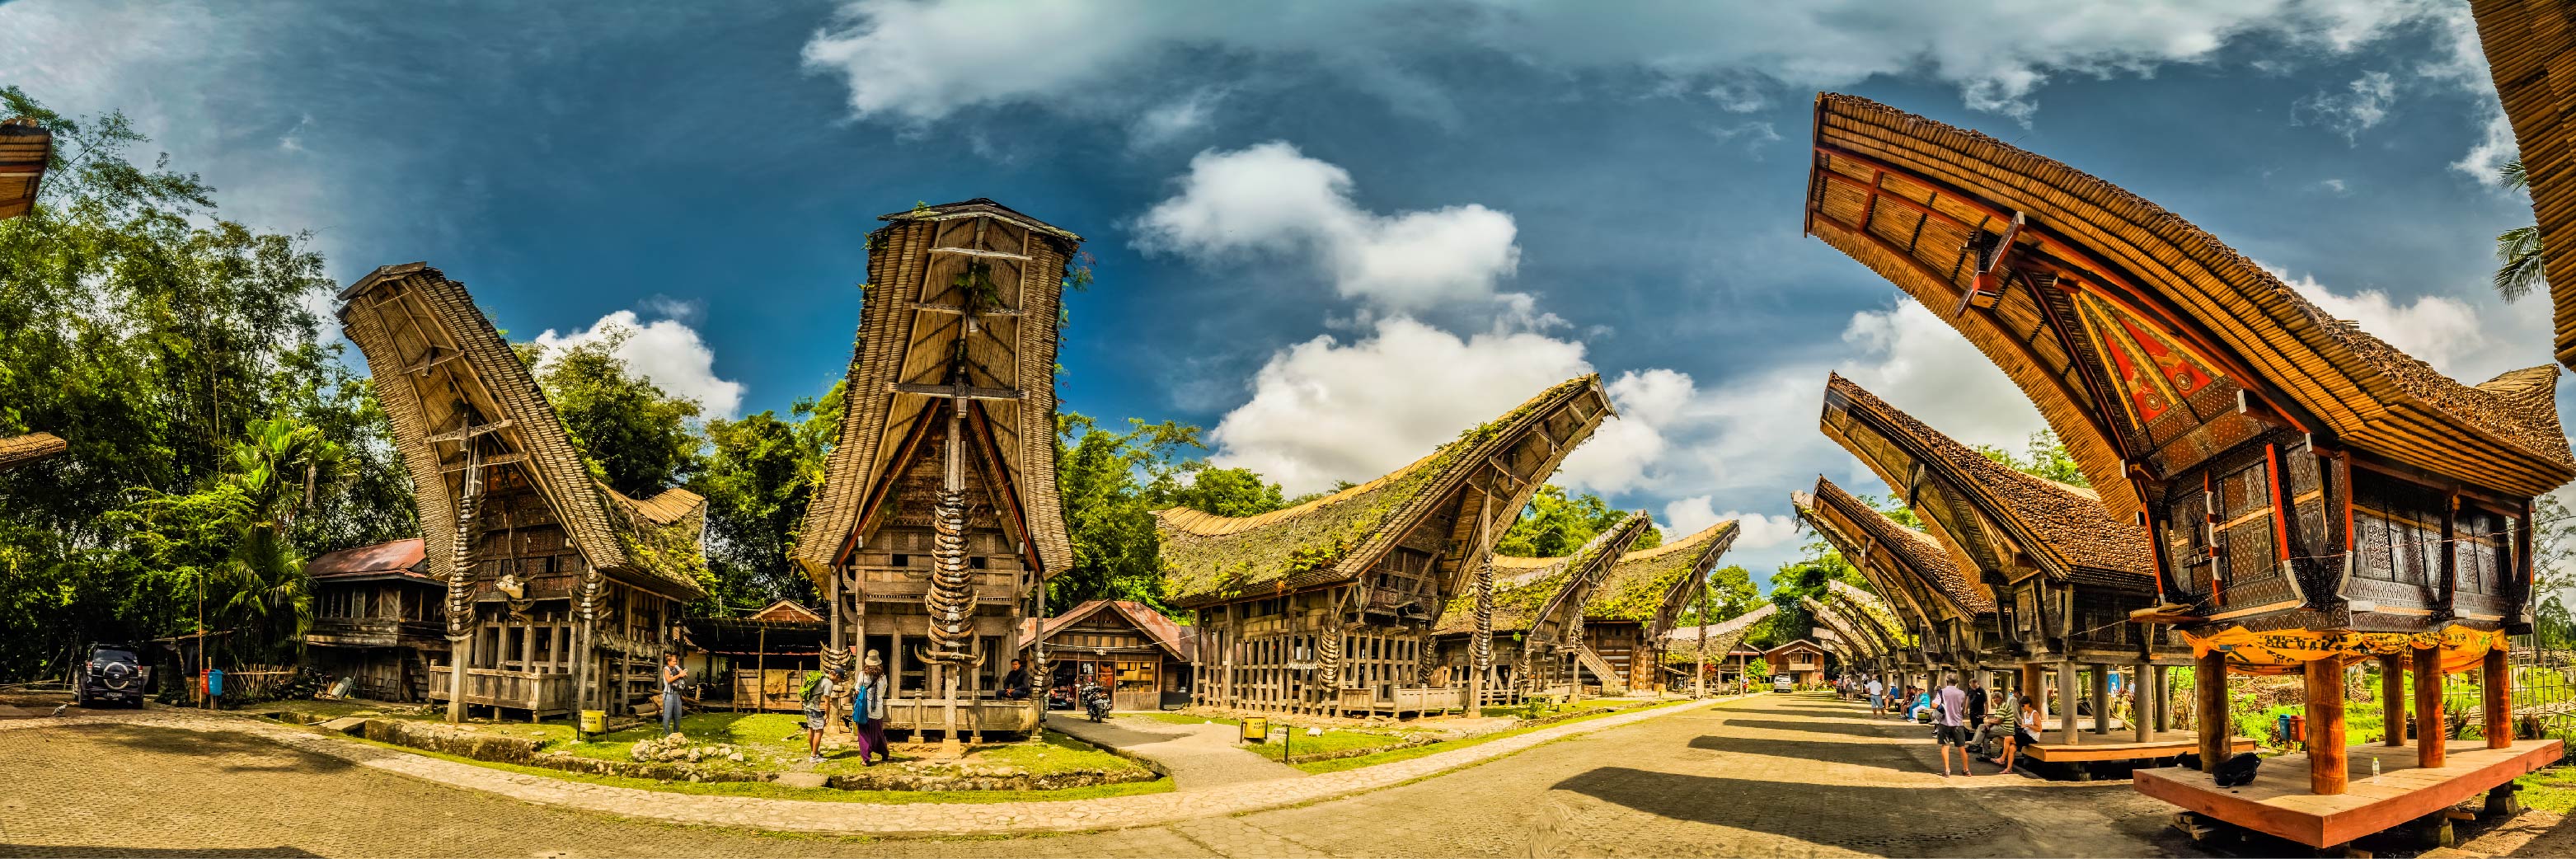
{"x": 111, "y": 675}
{"x": 1784, "y": 683}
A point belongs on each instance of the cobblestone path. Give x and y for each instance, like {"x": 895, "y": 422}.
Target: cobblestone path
{"x": 1198, "y": 757}
{"x": 1767, "y": 776}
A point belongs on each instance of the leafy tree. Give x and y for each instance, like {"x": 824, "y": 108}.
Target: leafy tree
{"x": 152, "y": 335}
{"x": 2518, "y": 263}
{"x": 758, "y": 481}
{"x": 2043, "y": 456}
{"x": 1554, "y": 525}
{"x": 636, "y": 437}
{"x": 1730, "y": 593}
{"x": 1112, "y": 482}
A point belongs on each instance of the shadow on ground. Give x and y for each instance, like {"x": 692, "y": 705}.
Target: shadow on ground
{"x": 1900, "y": 821}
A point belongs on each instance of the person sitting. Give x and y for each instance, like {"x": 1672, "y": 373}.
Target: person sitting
{"x": 2025, "y": 734}
{"x": 1015, "y": 685}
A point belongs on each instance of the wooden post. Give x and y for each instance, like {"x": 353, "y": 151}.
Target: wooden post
{"x": 2032, "y": 688}
{"x": 2164, "y": 698}
{"x": 2066, "y": 684}
{"x": 2392, "y": 700}
{"x": 2209, "y": 690}
{"x": 2101, "y": 699}
{"x": 2142, "y": 703}
{"x": 2428, "y": 708}
{"x": 2328, "y": 771}
{"x": 2498, "y": 674}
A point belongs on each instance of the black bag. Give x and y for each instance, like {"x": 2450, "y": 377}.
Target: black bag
{"x": 2239, "y": 771}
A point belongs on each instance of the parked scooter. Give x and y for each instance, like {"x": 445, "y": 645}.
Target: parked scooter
{"x": 1095, "y": 701}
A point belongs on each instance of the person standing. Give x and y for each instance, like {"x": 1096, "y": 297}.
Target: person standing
{"x": 858, "y": 693}
{"x": 872, "y": 702}
{"x": 1976, "y": 702}
{"x": 672, "y": 679}
{"x": 1877, "y": 697}
{"x": 819, "y": 688}
{"x": 1950, "y": 727}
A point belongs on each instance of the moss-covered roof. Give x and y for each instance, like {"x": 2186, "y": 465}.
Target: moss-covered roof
{"x": 1646, "y": 586}
{"x": 1534, "y": 587}
{"x": 1208, "y": 559}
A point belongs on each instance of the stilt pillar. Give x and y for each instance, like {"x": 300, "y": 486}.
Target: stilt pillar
{"x": 2209, "y": 692}
{"x": 2066, "y": 728}
{"x": 2497, "y": 675}
{"x": 2428, "y": 708}
{"x": 2142, "y": 703}
{"x": 2328, "y": 771}
{"x": 2392, "y": 700}
{"x": 2101, "y": 699}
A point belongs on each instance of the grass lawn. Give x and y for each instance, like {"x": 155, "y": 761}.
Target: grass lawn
{"x": 1411, "y": 752}
{"x": 1332, "y": 740}
{"x": 776, "y": 740}
{"x": 772, "y": 790}
{"x": 2552, "y": 790}
{"x": 1180, "y": 719}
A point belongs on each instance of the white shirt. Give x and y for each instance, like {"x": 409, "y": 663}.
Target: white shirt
{"x": 1877, "y": 688}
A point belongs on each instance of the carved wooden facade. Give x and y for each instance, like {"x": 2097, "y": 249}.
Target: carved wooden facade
{"x": 938, "y": 518}
{"x": 1641, "y": 597}
{"x": 562, "y": 593}
{"x": 1329, "y": 606}
{"x": 1540, "y": 636}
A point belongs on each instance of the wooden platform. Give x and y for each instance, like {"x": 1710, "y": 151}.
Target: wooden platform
{"x": 2121, "y": 745}
{"x": 2278, "y": 802}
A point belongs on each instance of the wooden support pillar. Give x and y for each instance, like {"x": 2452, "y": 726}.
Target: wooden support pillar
{"x": 2209, "y": 691}
{"x": 2392, "y": 700}
{"x": 2032, "y": 688}
{"x": 2101, "y": 699}
{"x": 2066, "y": 727}
{"x": 2428, "y": 708}
{"x": 2142, "y": 703}
{"x": 2497, "y": 675}
{"x": 2163, "y": 697}
{"x": 2328, "y": 771}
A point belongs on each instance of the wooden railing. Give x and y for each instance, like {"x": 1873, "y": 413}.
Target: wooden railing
{"x": 540, "y": 694}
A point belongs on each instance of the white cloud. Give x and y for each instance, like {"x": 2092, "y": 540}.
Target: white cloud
{"x": 1920, "y": 364}
{"x": 2363, "y": 105}
{"x": 2466, "y": 341}
{"x": 2495, "y": 146}
{"x": 1174, "y": 119}
{"x": 1324, "y": 410}
{"x": 1271, "y": 201}
{"x": 1757, "y": 530}
{"x": 899, "y": 57}
{"x": 667, "y": 351}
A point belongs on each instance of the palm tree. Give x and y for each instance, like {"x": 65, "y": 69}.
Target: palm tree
{"x": 2518, "y": 250}
{"x": 273, "y": 476}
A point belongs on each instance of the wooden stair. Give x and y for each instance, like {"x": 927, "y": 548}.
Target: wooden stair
{"x": 1611, "y": 678}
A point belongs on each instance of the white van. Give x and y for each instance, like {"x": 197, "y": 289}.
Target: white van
{"x": 1783, "y": 683}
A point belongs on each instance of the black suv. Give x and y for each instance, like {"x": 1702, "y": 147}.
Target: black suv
{"x": 112, "y": 674}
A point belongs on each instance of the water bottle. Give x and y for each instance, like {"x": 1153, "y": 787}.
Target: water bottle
{"x": 2374, "y": 767}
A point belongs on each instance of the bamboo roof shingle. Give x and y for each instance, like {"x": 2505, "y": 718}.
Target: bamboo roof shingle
{"x": 448, "y": 381}
{"x": 1209, "y": 559}
{"x": 2064, "y": 528}
{"x": 927, "y": 268}
{"x": 25, "y": 449}
{"x": 1933, "y": 585}
{"x": 1531, "y": 591}
{"x": 1650, "y": 586}
{"x": 2531, "y": 53}
{"x": 25, "y": 151}
{"x": 2094, "y": 284}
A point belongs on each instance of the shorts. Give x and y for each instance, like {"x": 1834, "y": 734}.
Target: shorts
{"x": 813, "y": 720}
{"x": 1950, "y": 735}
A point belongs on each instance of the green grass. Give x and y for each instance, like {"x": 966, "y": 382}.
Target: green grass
{"x": 772, "y": 790}
{"x": 1410, "y": 752}
{"x": 772, "y": 741}
{"x": 1331, "y": 741}
{"x": 2552, "y": 790}
{"x": 1180, "y": 719}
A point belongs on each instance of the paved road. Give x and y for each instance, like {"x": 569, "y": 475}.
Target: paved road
{"x": 1198, "y": 757}
{"x": 1769, "y": 776}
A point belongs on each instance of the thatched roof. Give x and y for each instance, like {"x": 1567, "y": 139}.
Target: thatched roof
{"x": 1870, "y": 615}
{"x": 2528, "y": 45}
{"x": 1896, "y": 559}
{"x": 25, "y": 150}
{"x": 2064, "y": 528}
{"x": 1209, "y": 559}
{"x": 922, "y": 270}
{"x": 1847, "y": 631}
{"x": 21, "y": 450}
{"x": 1152, "y": 624}
{"x": 1530, "y": 592}
{"x": 1650, "y": 586}
{"x": 448, "y": 380}
{"x": 2099, "y": 289}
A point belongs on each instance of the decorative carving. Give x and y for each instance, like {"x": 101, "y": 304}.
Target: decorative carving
{"x": 951, "y": 598}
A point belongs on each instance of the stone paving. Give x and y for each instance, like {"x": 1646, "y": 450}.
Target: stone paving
{"x": 1197, "y": 757}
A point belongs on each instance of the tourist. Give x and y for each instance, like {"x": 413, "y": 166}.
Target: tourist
{"x": 2025, "y": 732}
{"x": 818, "y": 689}
{"x": 859, "y": 692}
{"x": 1015, "y": 685}
{"x": 1950, "y": 728}
{"x": 872, "y": 732}
{"x": 672, "y": 679}
{"x": 1976, "y": 702}
{"x": 1877, "y": 698}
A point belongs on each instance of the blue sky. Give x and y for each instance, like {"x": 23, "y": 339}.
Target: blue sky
{"x": 1334, "y": 233}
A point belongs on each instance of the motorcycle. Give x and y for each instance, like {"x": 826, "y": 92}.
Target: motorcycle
{"x": 1095, "y": 701}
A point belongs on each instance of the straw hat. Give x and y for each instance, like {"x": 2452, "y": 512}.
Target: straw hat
{"x": 872, "y": 661}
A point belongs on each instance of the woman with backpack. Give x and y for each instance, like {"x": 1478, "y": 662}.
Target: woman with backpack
{"x": 867, "y": 710}
{"x": 818, "y": 689}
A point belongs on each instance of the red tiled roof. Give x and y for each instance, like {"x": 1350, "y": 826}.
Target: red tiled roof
{"x": 407, "y": 557}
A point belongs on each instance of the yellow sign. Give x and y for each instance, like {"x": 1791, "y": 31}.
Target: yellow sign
{"x": 2284, "y": 651}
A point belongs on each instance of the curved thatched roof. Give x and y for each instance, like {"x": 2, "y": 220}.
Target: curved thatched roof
{"x": 2094, "y": 285}
{"x": 1650, "y": 586}
{"x": 25, "y": 150}
{"x": 1896, "y": 559}
{"x": 2528, "y": 43}
{"x": 2064, "y": 528}
{"x": 1871, "y": 615}
{"x": 1681, "y": 643}
{"x": 448, "y": 380}
{"x": 923, "y": 269}
{"x": 21, "y": 450}
{"x": 1534, "y": 592}
{"x": 1208, "y": 559}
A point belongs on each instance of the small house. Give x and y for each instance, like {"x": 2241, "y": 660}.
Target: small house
{"x": 378, "y": 620}
{"x": 1127, "y": 646}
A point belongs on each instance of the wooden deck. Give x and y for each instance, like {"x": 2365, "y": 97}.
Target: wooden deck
{"x": 2122, "y": 745}
{"x": 2278, "y": 802}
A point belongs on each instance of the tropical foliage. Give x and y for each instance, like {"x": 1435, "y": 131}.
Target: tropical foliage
{"x": 1554, "y": 525}
{"x": 2518, "y": 264}
{"x": 2042, "y": 456}
{"x": 1111, "y": 483}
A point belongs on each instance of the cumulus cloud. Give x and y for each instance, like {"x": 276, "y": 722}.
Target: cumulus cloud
{"x": 2363, "y": 104}
{"x": 1271, "y": 200}
{"x": 667, "y": 351}
{"x": 1325, "y": 410}
{"x": 1757, "y": 530}
{"x": 898, "y": 57}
